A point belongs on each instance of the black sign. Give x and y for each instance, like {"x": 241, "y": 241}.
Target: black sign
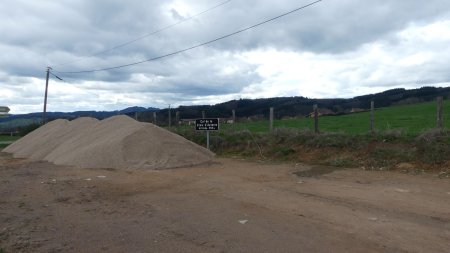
{"x": 207, "y": 124}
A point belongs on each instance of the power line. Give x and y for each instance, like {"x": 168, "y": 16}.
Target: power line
{"x": 193, "y": 47}
{"x": 148, "y": 34}
{"x": 59, "y": 78}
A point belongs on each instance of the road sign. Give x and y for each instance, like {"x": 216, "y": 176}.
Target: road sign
{"x": 4, "y": 109}
{"x": 207, "y": 124}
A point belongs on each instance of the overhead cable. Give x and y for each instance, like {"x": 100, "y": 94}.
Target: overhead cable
{"x": 192, "y": 47}
{"x": 146, "y": 35}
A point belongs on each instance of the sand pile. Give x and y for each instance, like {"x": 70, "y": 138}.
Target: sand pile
{"x": 116, "y": 142}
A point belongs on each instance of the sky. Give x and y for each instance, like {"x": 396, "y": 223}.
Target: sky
{"x": 331, "y": 49}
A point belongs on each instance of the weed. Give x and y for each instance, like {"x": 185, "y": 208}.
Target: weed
{"x": 434, "y": 146}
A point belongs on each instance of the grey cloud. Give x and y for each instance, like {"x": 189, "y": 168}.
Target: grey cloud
{"x": 37, "y": 34}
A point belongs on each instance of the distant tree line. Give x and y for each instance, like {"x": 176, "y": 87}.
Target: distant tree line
{"x": 298, "y": 106}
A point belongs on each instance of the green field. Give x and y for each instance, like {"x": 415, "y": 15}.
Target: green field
{"x": 8, "y": 138}
{"x": 5, "y": 139}
{"x": 412, "y": 119}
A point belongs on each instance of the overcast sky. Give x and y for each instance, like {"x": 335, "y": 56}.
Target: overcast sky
{"x": 335, "y": 48}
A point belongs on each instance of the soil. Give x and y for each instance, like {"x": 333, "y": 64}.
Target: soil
{"x": 230, "y": 205}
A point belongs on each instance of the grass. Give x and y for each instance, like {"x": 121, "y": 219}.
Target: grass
{"x": 404, "y": 134}
{"x": 9, "y": 138}
{"x": 412, "y": 119}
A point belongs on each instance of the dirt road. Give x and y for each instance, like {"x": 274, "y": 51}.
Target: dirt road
{"x": 228, "y": 206}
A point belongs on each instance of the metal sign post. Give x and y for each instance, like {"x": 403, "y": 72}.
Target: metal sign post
{"x": 207, "y": 139}
{"x": 207, "y": 125}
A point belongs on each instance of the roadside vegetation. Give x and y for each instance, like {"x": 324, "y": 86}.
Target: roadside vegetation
{"x": 386, "y": 150}
{"x": 404, "y": 139}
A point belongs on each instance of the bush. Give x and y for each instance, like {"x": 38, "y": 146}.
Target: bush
{"x": 434, "y": 146}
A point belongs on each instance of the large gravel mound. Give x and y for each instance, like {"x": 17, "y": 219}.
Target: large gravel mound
{"x": 116, "y": 142}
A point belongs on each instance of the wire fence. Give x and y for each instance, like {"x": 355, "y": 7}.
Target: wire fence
{"x": 410, "y": 119}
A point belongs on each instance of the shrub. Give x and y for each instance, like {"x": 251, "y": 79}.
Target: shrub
{"x": 434, "y": 146}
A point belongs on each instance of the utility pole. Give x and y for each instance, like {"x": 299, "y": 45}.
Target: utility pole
{"x": 45, "y": 98}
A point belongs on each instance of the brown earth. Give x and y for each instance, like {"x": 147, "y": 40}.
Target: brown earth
{"x": 228, "y": 206}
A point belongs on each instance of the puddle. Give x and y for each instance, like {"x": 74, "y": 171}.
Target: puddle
{"x": 316, "y": 170}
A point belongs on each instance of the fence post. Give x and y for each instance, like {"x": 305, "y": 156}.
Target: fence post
{"x": 271, "y": 119}
{"x": 440, "y": 115}
{"x": 177, "y": 118}
{"x": 154, "y": 118}
{"x": 170, "y": 117}
{"x": 372, "y": 109}
{"x": 316, "y": 119}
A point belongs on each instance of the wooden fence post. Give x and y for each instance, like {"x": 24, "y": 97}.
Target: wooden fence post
{"x": 170, "y": 117}
{"x": 316, "y": 119}
{"x": 271, "y": 119}
{"x": 440, "y": 115}
{"x": 372, "y": 109}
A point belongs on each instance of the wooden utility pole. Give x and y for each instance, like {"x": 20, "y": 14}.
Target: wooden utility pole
{"x": 316, "y": 119}
{"x": 372, "y": 109}
{"x": 440, "y": 115}
{"x": 44, "y": 113}
{"x": 271, "y": 119}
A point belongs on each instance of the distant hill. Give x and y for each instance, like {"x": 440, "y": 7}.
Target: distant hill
{"x": 14, "y": 121}
{"x": 253, "y": 108}
{"x": 302, "y": 106}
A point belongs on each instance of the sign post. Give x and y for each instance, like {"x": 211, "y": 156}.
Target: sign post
{"x": 207, "y": 125}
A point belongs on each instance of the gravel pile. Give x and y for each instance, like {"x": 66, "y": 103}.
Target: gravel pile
{"x": 116, "y": 142}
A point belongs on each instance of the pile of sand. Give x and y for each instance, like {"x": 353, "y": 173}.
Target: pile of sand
{"x": 116, "y": 142}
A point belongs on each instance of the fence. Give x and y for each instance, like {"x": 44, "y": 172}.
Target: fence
{"x": 412, "y": 119}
